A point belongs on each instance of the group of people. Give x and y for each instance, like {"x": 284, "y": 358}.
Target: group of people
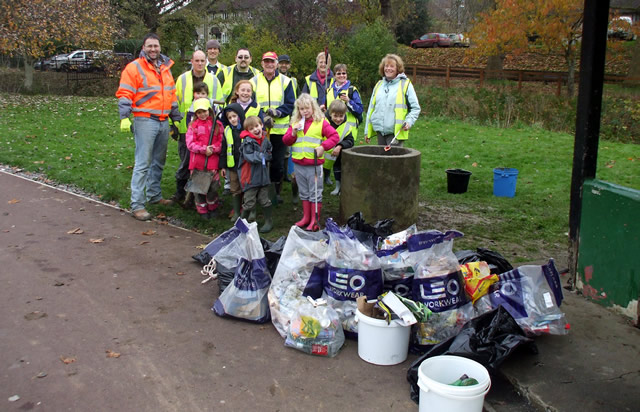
{"x": 251, "y": 127}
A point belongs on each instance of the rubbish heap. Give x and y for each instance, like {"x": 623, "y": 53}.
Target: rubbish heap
{"x": 308, "y": 285}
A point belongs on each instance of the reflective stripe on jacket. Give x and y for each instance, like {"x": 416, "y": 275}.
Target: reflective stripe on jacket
{"x": 146, "y": 91}
{"x": 343, "y": 130}
{"x": 228, "y": 136}
{"x": 227, "y": 85}
{"x": 400, "y": 108}
{"x": 184, "y": 93}
{"x": 305, "y": 145}
{"x": 271, "y": 95}
{"x": 317, "y": 91}
{"x": 351, "y": 119}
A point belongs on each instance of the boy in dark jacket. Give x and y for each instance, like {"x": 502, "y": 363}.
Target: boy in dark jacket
{"x": 337, "y": 116}
{"x": 232, "y": 118}
{"x": 255, "y": 155}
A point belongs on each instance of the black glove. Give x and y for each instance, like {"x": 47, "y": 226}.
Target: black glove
{"x": 268, "y": 122}
{"x": 173, "y": 132}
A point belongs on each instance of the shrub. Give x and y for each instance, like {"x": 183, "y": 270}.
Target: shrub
{"x": 364, "y": 51}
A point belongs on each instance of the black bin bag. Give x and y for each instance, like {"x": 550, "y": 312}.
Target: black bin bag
{"x": 488, "y": 339}
{"x": 497, "y": 263}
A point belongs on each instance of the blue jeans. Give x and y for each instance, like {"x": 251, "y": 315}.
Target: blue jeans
{"x": 151, "y": 153}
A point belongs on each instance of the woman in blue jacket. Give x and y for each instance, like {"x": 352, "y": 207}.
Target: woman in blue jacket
{"x": 394, "y": 106}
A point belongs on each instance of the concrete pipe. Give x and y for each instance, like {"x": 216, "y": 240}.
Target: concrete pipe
{"x": 381, "y": 184}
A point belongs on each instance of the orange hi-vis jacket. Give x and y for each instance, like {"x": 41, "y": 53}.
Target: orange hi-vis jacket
{"x": 146, "y": 92}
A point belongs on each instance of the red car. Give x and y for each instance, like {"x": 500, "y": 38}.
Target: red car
{"x": 432, "y": 40}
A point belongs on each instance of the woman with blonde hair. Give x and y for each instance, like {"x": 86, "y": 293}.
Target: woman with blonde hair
{"x": 317, "y": 83}
{"x": 394, "y": 106}
{"x": 309, "y": 134}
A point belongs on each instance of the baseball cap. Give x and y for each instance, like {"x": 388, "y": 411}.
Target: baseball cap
{"x": 201, "y": 104}
{"x": 284, "y": 58}
{"x": 270, "y": 56}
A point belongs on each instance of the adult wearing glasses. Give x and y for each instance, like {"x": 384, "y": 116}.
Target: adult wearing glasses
{"x": 231, "y": 75}
{"x": 342, "y": 89}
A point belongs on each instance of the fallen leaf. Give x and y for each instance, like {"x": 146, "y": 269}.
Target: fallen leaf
{"x": 149, "y": 232}
{"x": 161, "y": 216}
{"x": 180, "y": 273}
{"x": 202, "y": 246}
{"x": 38, "y": 162}
{"x": 112, "y": 354}
{"x": 67, "y": 157}
{"x": 99, "y": 240}
{"x": 144, "y": 242}
{"x": 67, "y": 361}
{"x": 129, "y": 167}
{"x": 13, "y": 201}
{"x": 474, "y": 164}
{"x": 76, "y": 231}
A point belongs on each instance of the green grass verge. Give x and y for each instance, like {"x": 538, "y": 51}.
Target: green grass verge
{"x": 75, "y": 140}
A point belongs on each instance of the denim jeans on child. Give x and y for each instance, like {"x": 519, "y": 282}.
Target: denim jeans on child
{"x": 151, "y": 138}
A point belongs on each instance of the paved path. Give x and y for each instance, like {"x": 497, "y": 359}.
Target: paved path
{"x": 136, "y": 292}
{"x": 62, "y": 296}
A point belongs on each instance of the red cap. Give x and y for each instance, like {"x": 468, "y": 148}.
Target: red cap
{"x": 270, "y": 56}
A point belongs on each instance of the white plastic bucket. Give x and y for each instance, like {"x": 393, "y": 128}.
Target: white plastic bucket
{"x": 381, "y": 343}
{"x": 435, "y": 376}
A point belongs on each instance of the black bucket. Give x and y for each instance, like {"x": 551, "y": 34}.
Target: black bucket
{"x": 457, "y": 180}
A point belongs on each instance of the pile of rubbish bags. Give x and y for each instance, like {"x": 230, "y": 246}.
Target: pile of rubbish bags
{"x": 307, "y": 283}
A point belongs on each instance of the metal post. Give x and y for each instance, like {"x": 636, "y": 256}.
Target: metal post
{"x": 585, "y": 151}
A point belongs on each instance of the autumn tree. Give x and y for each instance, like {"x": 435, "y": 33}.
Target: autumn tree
{"x": 556, "y": 26}
{"x": 30, "y": 28}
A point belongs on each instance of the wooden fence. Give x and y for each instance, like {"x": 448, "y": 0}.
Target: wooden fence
{"x": 448, "y": 73}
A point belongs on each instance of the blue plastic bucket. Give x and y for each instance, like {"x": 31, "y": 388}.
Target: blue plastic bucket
{"x": 504, "y": 182}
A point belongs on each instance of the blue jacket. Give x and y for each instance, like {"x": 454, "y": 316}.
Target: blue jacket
{"x": 355, "y": 104}
{"x": 322, "y": 90}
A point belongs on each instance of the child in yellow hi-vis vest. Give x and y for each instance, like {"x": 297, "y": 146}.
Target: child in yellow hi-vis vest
{"x": 309, "y": 134}
{"x": 233, "y": 120}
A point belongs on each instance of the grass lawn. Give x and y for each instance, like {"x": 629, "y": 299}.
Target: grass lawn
{"x": 76, "y": 140}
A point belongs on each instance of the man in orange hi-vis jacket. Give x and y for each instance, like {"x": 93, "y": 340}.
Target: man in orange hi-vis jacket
{"x": 148, "y": 91}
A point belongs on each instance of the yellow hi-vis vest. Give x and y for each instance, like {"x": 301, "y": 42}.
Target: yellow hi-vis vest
{"x": 313, "y": 87}
{"x": 401, "y": 109}
{"x": 228, "y": 135}
{"x": 343, "y": 130}
{"x": 219, "y": 68}
{"x": 184, "y": 93}
{"x": 271, "y": 96}
{"x": 252, "y": 111}
{"x": 351, "y": 119}
{"x": 305, "y": 144}
{"x": 227, "y": 86}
